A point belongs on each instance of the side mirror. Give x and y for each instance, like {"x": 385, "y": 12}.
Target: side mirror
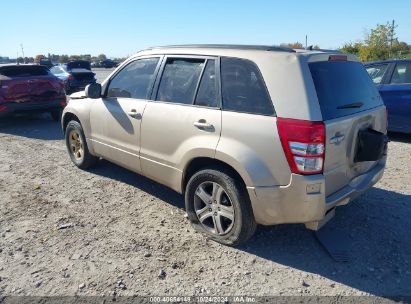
{"x": 93, "y": 90}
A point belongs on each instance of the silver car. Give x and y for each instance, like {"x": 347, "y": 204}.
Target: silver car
{"x": 248, "y": 134}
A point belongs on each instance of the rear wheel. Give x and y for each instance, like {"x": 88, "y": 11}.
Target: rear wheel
{"x": 218, "y": 206}
{"x": 77, "y": 146}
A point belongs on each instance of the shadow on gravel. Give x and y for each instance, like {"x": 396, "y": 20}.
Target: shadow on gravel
{"x": 112, "y": 171}
{"x": 32, "y": 126}
{"x": 401, "y": 137}
{"x": 377, "y": 226}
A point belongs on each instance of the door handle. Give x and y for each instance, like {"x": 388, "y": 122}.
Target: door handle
{"x": 133, "y": 113}
{"x": 203, "y": 124}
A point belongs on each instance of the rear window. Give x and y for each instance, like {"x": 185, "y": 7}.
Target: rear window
{"x": 24, "y": 71}
{"x": 78, "y": 65}
{"x": 343, "y": 88}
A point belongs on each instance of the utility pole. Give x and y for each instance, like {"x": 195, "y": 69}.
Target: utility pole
{"x": 22, "y": 51}
{"x": 392, "y": 35}
{"x": 306, "y": 41}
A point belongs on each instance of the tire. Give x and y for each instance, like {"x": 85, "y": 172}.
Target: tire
{"x": 77, "y": 146}
{"x": 56, "y": 114}
{"x": 234, "y": 198}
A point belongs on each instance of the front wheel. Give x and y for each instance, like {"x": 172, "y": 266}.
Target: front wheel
{"x": 218, "y": 206}
{"x": 77, "y": 146}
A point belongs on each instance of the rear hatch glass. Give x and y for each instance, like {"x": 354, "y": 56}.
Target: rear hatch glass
{"x": 343, "y": 88}
{"x": 349, "y": 102}
{"x": 23, "y": 71}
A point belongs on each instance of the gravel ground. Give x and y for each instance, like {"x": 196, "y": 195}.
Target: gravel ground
{"x": 128, "y": 235}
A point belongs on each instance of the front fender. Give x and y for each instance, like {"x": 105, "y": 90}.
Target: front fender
{"x": 81, "y": 109}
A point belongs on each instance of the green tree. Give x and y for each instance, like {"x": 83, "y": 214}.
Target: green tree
{"x": 63, "y": 58}
{"x": 352, "y": 48}
{"x": 380, "y": 43}
{"x": 294, "y": 45}
{"x": 74, "y": 57}
{"x": 38, "y": 58}
{"x": 102, "y": 57}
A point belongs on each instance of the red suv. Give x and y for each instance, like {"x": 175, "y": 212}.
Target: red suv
{"x": 26, "y": 88}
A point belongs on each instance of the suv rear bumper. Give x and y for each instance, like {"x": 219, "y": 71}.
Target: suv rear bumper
{"x": 303, "y": 200}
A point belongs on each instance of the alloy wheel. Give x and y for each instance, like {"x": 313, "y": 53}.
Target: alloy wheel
{"x": 214, "y": 208}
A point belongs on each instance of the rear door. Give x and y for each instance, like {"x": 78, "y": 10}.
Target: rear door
{"x": 396, "y": 94}
{"x": 349, "y": 102}
{"x": 116, "y": 118}
{"x": 183, "y": 121}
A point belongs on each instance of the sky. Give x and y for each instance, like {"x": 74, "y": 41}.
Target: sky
{"x": 122, "y": 27}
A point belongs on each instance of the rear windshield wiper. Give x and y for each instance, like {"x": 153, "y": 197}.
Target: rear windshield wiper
{"x": 353, "y": 105}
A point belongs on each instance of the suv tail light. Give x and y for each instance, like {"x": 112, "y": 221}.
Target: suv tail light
{"x": 337, "y": 58}
{"x": 303, "y": 143}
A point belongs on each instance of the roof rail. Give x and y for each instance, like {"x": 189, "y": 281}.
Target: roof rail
{"x": 310, "y": 48}
{"x": 230, "y": 46}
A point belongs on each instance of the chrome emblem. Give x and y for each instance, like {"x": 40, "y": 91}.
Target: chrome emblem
{"x": 337, "y": 139}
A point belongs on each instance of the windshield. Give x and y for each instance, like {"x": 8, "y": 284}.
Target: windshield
{"x": 343, "y": 88}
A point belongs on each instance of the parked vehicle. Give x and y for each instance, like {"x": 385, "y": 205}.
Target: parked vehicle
{"x": 75, "y": 75}
{"x": 249, "y": 134}
{"x": 46, "y": 62}
{"x": 96, "y": 64}
{"x": 108, "y": 64}
{"x": 31, "y": 88}
{"x": 393, "y": 80}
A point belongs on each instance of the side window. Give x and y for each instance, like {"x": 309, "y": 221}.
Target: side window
{"x": 243, "y": 88}
{"x": 179, "y": 80}
{"x": 377, "y": 72}
{"x": 207, "y": 91}
{"x": 135, "y": 80}
{"x": 402, "y": 73}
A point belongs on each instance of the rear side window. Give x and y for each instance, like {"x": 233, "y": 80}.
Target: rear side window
{"x": 402, "y": 73}
{"x": 243, "y": 88}
{"x": 24, "y": 71}
{"x": 135, "y": 80}
{"x": 377, "y": 72}
{"x": 343, "y": 88}
{"x": 179, "y": 80}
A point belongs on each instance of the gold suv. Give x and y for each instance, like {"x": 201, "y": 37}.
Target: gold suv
{"x": 249, "y": 134}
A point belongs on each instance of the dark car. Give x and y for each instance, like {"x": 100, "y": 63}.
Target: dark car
{"x": 108, "y": 64}
{"x": 30, "y": 88}
{"x": 46, "y": 62}
{"x": 76, "y": 75}
{"x": 393, "y": 79}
